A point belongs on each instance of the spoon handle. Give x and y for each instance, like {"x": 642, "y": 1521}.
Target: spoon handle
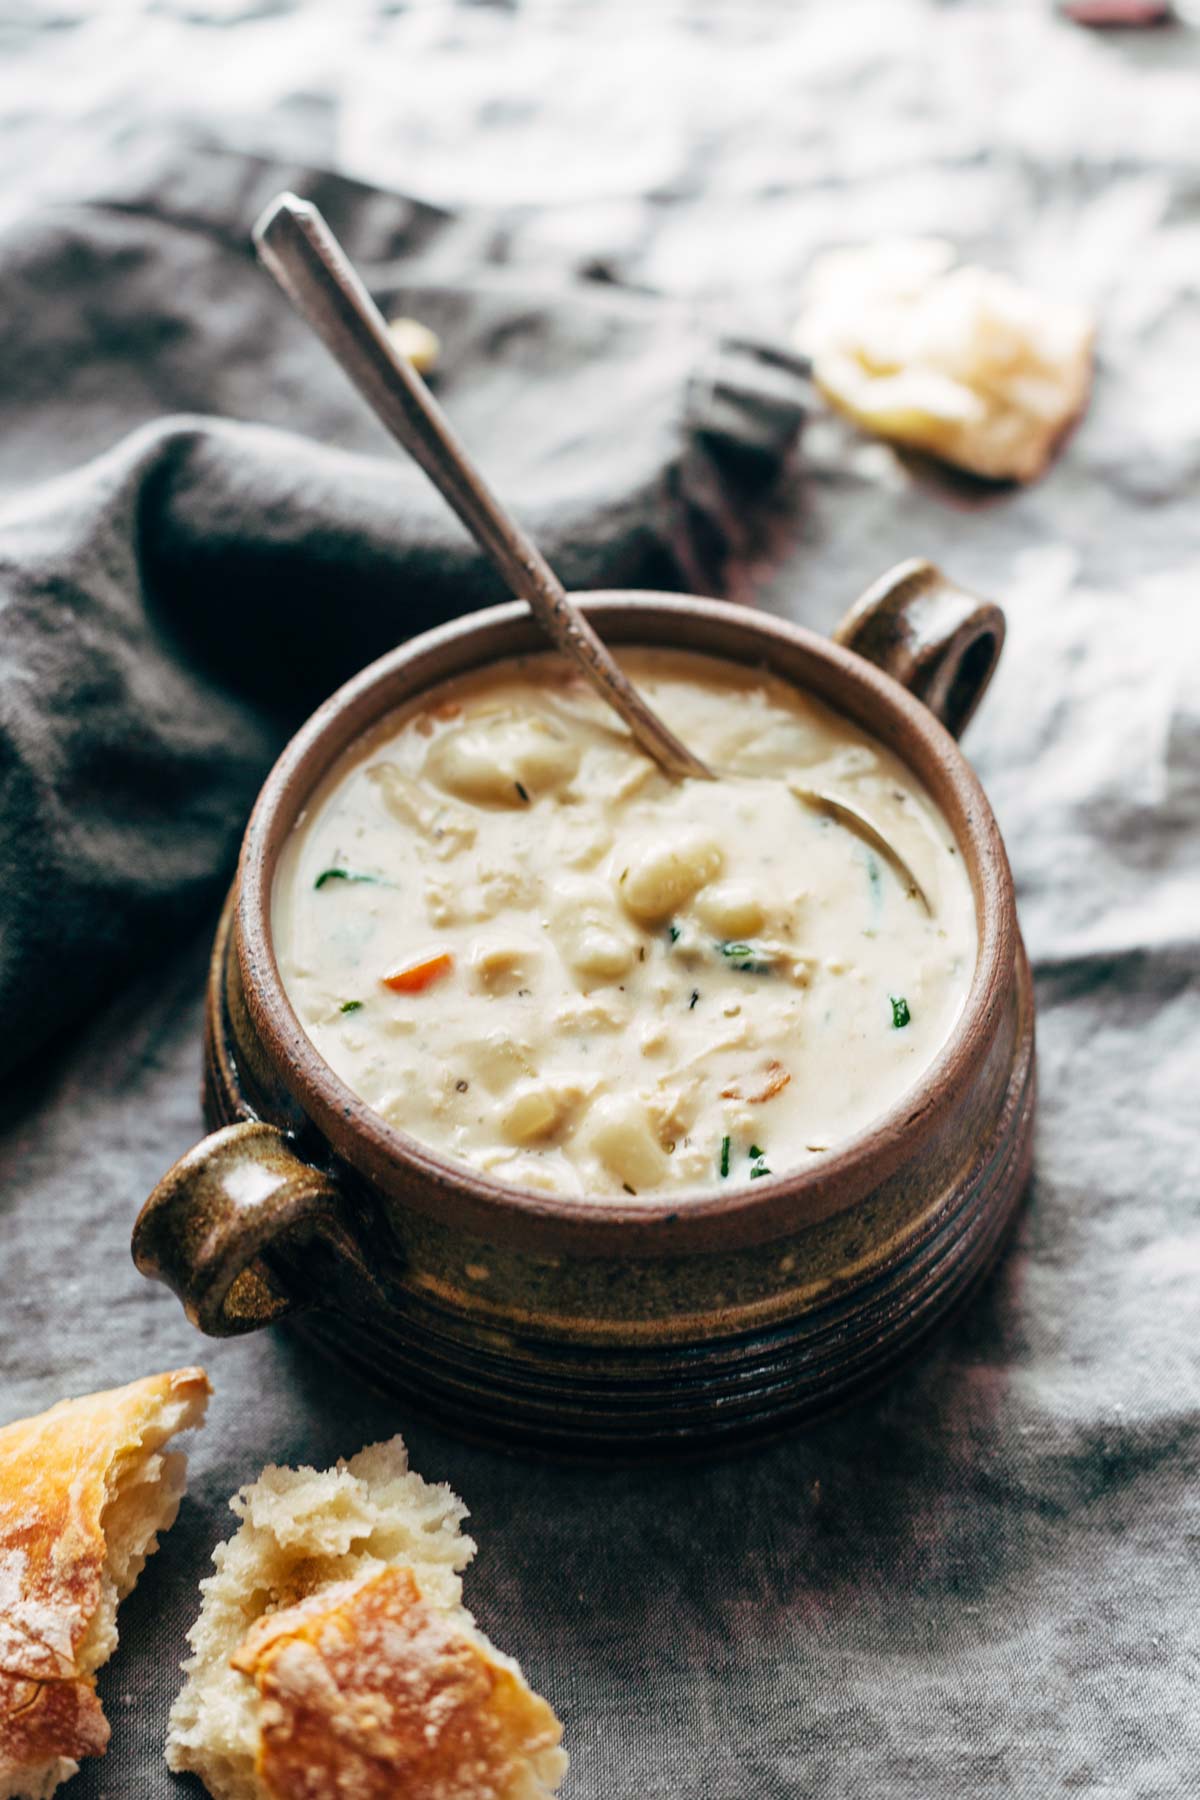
{"x": 301, "y": 252}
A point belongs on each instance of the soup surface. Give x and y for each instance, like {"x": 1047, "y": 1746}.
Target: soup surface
{"x": 522, "y": 944}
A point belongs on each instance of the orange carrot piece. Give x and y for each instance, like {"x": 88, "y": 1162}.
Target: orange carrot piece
{"x": 415, "y": 976}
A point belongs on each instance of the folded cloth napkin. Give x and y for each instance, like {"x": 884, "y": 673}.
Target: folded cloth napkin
{"x": 171, "y": 606}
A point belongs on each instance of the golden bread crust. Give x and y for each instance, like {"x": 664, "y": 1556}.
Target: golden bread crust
{"x": 367, "y": 1691}
{"x": 56, "y": 1477}
{"x": 41, "y": 1721}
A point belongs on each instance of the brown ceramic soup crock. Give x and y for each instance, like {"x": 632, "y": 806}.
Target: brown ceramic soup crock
{"x": 609, "y": 1326}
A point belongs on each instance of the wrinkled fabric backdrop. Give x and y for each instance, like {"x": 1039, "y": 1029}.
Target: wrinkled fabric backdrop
{"x": 985, "y": 1581}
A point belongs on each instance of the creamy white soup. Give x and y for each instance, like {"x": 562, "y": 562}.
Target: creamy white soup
{"x": 518, "y": 941}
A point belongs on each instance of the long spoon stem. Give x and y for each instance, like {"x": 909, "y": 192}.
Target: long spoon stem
{"x": 307, "y": 261}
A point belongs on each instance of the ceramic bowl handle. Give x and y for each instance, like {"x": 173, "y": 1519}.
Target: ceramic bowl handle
{"x": 209, "y": 1229}
{"x": 940, "y": 641}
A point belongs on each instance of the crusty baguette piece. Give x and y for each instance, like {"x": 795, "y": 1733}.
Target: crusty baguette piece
{"x": 84, "y": 1491}
{"x": 958, "y": 361}
{"x": 333, "y": 1654}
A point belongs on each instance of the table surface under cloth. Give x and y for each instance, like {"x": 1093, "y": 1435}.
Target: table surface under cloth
{"x": 984, "y": 1582}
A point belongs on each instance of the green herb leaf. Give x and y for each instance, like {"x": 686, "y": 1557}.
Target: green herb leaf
{"x": 523, "y": 791}
{"x": 693, "y": 1000}
{"x": 673, "y": 932}
{"x": 343, "y": 875}
{"x": 350, "y": 1006}
{"x": 759, "y": 1169}
{"x": 900, "y": 1013}
{"x": 756, "y": 1153}
{"x": 724, "y": 1156}
{"x": 746, "y": 959}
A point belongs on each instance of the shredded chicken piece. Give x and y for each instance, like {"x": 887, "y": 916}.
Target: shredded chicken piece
{"x": 777, "y": 1078}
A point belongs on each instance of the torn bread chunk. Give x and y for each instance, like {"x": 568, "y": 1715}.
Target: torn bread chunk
{"x": 417, "y": 342}
{"x": 333, "y": 1654}
{"x": 946, "y": 357}
{"x": 85, "y": 1489}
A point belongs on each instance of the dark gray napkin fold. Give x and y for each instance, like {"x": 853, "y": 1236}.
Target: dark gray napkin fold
{"x": 173, "y": 606}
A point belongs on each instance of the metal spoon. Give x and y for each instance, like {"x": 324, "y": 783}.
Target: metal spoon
{"x": 857, "y": 821}
{"x": 301, "y": 252}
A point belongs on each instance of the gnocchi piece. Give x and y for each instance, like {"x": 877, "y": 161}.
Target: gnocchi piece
{"x": 731, "y": 909}
{"x": 537, "y": 1108}
{"x": 601, "y": 955}
{"x": 619, "y": 1133}
{"x": 662, "y": 877}
{"x": 500, "y": 966}
{"x": 532, "y": 1113}
{"x": 590, "y": 938}
{"x": 503, "y": 759}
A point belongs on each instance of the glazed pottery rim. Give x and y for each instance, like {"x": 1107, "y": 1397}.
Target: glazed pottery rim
{"x": 771, "y": 1207}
